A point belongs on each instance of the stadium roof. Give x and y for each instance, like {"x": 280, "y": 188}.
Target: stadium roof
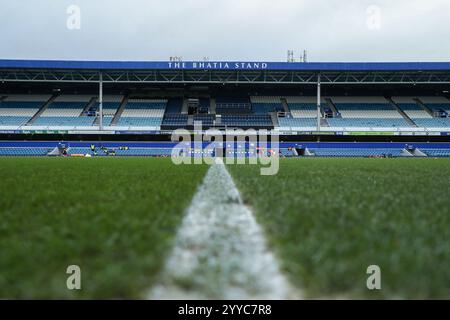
{"x": 225, "y": 65}
{"x": 225, "y": 72}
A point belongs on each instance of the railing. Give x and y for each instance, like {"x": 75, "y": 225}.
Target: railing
{"x": 233, "y": 106}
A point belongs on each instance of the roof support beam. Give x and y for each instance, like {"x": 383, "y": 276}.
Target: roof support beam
{"x": 319, "y": 98}
{"x": 100, "y": 99}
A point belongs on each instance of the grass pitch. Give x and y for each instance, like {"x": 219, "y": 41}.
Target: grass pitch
{"x": 115, "y": 218}
{"x": 329, "y": 219}
{"x": 326, "y": 219}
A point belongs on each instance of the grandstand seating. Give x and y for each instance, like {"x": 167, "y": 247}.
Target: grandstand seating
{"x": 437, "y": 152}
{"x": 414, "y": 111}
{"x": 143, "y": 113}
{"x": 299, "y": 112}
{"x": 109, "y": 108}
{"x": 175, "y": 120}
{"x": 13, "y": 121}
{"x": 263, "y": 104}
{"x": 439, "y": 106}
{"x": 297, "y": 122}
{"x": 106, "y": 120}
{"x": 433, "y": 150}
{"x": 139, "y": 122}
{"x": 132, "y": 152}
{"x": 247, "y": 120}
{"x": 174, "y": 106}
{"x": 367, "y": 123}
{"x": 64, "y": 121}
{"x": 206, "y": 119}
{"x": 303, "y": 110}
{"x": 369, "y": 112}
{"x": 17, "y": 110}
{"x": 356, "y": 152}
{"x": 433, "y": 122}
{"x": 22, "y": 152}
{"x": 233, "y": 105}
{"x": 285, "y": 152}
{"x": 66, "y": 111}
{"x": 303, "y": 113}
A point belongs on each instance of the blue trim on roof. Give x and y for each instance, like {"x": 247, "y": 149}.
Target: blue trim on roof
{"x": 133, "y": 144}
{"x": 224, "y": 65}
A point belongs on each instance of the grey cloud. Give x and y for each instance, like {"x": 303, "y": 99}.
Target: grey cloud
{"x": 331, "y": 30}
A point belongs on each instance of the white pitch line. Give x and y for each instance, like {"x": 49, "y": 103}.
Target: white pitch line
{"x": 220, "y": 251}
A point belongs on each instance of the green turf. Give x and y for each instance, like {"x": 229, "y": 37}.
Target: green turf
{"x": 329, "y": 219}
{"x": 115, "y": 218}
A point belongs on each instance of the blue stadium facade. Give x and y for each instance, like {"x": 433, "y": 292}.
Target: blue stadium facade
{"x": 306, "y": 104}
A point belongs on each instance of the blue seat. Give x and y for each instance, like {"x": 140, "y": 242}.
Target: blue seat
{"x": 368, "y": 123}
{"x": 13, "y": 121}
{"x": 139, "y": 122}
{"x": 356, "y": 152}
{"x": 433, "y": 123}
{"x": 439, "y": 153}
{"x": 297, "y": 122}
{"x": 64, "y": 121}
{"x": 24, "y": 151}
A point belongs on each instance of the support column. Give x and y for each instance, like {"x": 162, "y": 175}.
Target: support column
{"x": 100, "y": 100}
{"x": 319, "y": 98}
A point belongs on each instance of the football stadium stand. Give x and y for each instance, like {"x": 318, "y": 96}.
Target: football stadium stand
{"x": 437, "y": 153}
{"x": 247, "y": 121}
{"x": 165, "y": 149}
{"x": 134, "y": 152}
{"x": 263, "y": 105}
{"x": 24, "y": 151}
{"x": 207, "y": 120}
{"x": 143, "y": 113}
{"x": 294, "y": 113}
{"x": 302, "y": 113}
{"x": 366, "y": 112}
{"x": 174, "y": 121}
{"x": 226, "y": 105}
{"x": 426, "y": 116}
{"x": 363, "y": 153}
{"x": 66, "y": 111}
{"x": 18, "y": 110}
{"x": 146, "y": 101}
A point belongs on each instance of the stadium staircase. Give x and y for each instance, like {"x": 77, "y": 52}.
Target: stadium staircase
{"x": 424, "y": 106}
{"x": 324, "y": 122}
{"x": 90, "y": 104}
{"x": 407, "y": 153}
{"x": 212, "y": 108}
{"x": 274, "y": 117}
{"x": 419, "y": 153}
{"x": 403, "y": 113}
{"x": 96, "y": 121}
{"x": 184, "y": 109}
{"x": 41, "y": 110}
{"x": 174, "y": 105}
{"x": 285, "y": 105}
{"x": 190, "y": 121}
{"x": 332, "y": 106}
{"x": 119, "y": 112}
{"x": 54, "y": 152}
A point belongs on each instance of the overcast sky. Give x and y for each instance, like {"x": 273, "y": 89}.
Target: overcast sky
{"x": 331, "y": 30}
